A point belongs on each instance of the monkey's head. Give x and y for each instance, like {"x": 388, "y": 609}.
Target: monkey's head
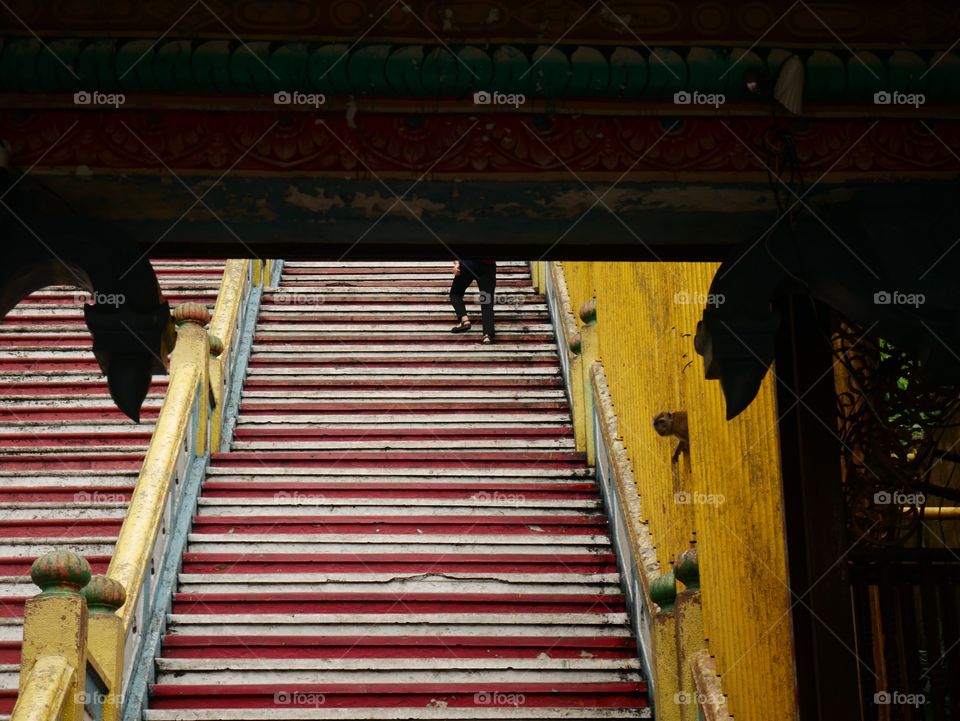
{"x": 663, "y": 423}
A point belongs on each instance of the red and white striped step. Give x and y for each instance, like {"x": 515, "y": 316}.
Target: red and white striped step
{"x": 403, "y": 528}
{"x": 68, "y": 458}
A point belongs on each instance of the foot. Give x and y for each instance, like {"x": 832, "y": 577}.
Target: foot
{"x": 462, "y": 327}
{"x": 487, "y": 339}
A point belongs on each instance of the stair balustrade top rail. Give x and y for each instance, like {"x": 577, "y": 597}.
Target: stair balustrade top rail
{"x": 82, "y": 632}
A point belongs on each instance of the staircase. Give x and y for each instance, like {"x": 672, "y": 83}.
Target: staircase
{"x": 403, "y": 528}
{"x": 68, "y": 458}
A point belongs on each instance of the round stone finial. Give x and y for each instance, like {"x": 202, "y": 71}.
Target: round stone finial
{"x": 576, "y": 344}
{"x": 60, "y": 571}
{"x": 216, "y": 346}
{"x": 686, "y": 569}
{"x": 663, "y": 591}
{"x": 104, "y": 595}
{"x": 191, "y": 313}
{"x": 588, "y": 312}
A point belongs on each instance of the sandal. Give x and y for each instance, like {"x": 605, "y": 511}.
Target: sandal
{"x": 461, "y": 327}
{"x": 487, "y": 340}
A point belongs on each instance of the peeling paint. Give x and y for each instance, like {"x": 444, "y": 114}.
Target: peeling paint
{"x": 375, "y": 205}
{"x": 318, "y": 203}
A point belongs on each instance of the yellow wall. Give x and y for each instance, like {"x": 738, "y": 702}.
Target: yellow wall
{"x": 646, "y": 317}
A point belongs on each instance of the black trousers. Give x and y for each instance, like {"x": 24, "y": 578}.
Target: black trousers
{"x": 486, "y": 278}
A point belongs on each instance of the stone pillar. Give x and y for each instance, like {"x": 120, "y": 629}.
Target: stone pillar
{"x": 576, "y": 394}
{"x": 589, "y": 354}
{"x": 55, "y": 623}
{"x": 106, "y": 641}
{"x": 217, "y": 390}
{"x": 689, "y": 631}
{"x": 193, "y": 346}
{"x": 663, "y": 628}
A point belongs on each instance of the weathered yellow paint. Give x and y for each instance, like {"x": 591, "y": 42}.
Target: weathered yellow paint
{"x": 538, "y": 273}
{"x": 105, "y": 650}
{"x": 571, "y": 346}
{"x": 54, "y": 627}
{"x": 188, "y": 373}
{"x": 589, "y": 353}
{"x": 689, "y": 640}
{"x": 578, "y": 406}
{"x": 46, "y": 690}
{"x": 663, "y": 635}
{"x": 711, "y": 701}
{"x": 731, "y": 478}
{"x": 222, "y": 325}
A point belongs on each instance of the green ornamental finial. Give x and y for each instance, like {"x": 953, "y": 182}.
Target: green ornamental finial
{"x": 575, "y": 344}
{"x": 104, "y": 595}
{"x": 687, "y": 570}
{"x": 588, "y": 312}
{"x": 216, "y": 346}
{"x": 191, "y": 313}
{"x": 663, "y": 591}
{"x": 60, "y": 572}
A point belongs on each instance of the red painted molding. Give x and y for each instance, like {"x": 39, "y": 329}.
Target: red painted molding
{"x": 507, "y": 147}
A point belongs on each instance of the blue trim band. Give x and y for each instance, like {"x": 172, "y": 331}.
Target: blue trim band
{"x": 143, "y": 670}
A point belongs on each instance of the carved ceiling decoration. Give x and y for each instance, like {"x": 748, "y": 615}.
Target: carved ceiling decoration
{"x": 219, "y": 66}
{"x": 470, "y": 146}
{"x": 879, "y": 22}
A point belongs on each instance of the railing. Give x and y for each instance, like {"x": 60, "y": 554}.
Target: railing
{"x": 87, "y": 640}
{"x": 906, "y": 610}
{"x": 718, "y": 504}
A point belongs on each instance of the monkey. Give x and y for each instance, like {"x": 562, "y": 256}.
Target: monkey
{"x": 674, "y": 423}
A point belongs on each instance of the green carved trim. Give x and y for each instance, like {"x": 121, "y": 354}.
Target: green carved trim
{"x": 663, "y": 591}
{"x": 686, "y": 569}
{"x": 564, "y": 71}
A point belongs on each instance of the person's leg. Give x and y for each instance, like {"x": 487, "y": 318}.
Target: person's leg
{"x": 487, "y": 283}
{"x": 457, "y": 289}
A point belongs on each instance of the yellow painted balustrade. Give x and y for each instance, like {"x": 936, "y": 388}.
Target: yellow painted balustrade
{"x": 223, "y": 336}
{"x": 45, "y": 695}
{"x": 725, "y": 495}
{"x": 77, "y": 629}
{"x": 189, "y": 380}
